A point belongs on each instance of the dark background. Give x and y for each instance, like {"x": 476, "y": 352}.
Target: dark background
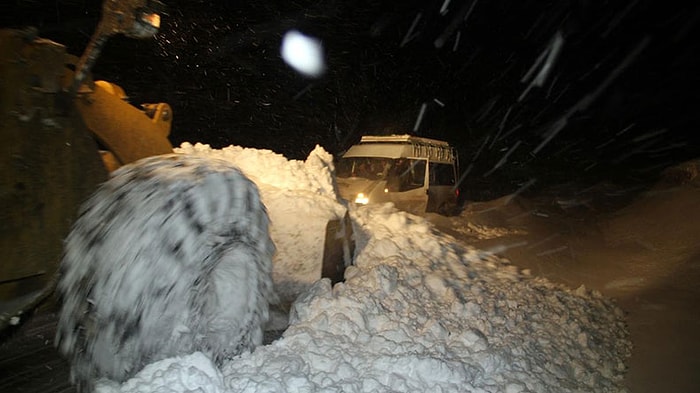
{"x": 619, "y": 104}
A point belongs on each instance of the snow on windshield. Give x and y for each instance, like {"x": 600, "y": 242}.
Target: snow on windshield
{"x": 418, "y": 312}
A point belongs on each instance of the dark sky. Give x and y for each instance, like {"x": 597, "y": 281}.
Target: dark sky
{"x": 619, "y": 100}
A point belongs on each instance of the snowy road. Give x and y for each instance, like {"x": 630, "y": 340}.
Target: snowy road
{"x": 422, "y": 311}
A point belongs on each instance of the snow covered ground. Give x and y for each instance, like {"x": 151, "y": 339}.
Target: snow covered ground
{"x": 418, "y": 311}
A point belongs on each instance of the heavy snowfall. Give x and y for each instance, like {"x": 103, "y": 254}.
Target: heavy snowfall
{"x": 574, "y": 263}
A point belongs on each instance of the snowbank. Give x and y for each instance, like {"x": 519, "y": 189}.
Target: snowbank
{"x": 300, "y": 197}
{"x": 418, "y": 312}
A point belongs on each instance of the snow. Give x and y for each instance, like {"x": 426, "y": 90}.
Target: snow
{"x": 303, "y": 53}
{"x": 294, "y": 192}
{"x": 419, "y": 311}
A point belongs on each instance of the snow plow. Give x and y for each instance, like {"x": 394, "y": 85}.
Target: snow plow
{"x": 63, "y": 134}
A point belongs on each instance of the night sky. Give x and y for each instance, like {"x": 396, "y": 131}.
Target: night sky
{"x": 619, "y": 100}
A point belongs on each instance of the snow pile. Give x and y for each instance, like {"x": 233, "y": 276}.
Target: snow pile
{"x": 267, "y": 168}
{"x": 300, "y": 197}
{"x": 195, "y": 372}
{"x": 419, "y": 312}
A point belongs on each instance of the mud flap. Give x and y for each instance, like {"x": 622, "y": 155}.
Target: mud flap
{"x": 338, "y": 249}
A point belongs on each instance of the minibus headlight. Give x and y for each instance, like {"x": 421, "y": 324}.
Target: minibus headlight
{"x": 361, "y": 199}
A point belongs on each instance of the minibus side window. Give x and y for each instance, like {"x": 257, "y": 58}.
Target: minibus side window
{"x": 406, "y": 174}
{"x": 417, "y": 173}
{"x": 441, "y": 174}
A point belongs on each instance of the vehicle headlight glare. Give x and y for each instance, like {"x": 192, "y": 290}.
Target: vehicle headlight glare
{"x": 361, "y": 199}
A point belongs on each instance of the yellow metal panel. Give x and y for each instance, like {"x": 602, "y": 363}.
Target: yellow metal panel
{"x": 123, "y": 129}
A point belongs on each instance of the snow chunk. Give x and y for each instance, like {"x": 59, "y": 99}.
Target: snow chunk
{"x": 191, "y": 373}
